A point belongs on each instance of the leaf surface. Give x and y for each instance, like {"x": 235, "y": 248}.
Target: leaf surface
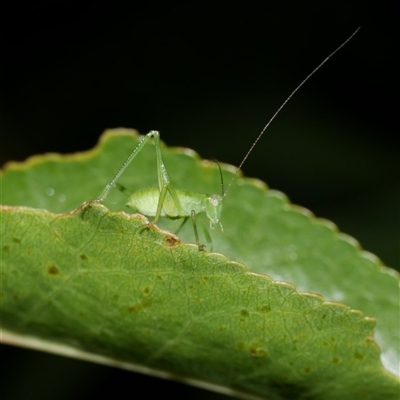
{"x": 106, "y": 283}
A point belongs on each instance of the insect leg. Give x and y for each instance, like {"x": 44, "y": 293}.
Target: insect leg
{"x": 181, "y": 225}
{"x": 196, "y": 233}
{"x": 164, "y": 181}
{"x": 125, "y": 165}
{"x": 206, "y": 233}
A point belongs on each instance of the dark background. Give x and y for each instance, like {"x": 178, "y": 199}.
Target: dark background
{"x": 208, "y": 75}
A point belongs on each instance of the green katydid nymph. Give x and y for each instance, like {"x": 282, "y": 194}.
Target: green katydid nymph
{"x": 166, "y": 201}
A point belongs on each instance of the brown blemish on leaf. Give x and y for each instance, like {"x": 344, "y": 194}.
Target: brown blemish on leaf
{"x": 53, "y": 270}
{"x": 6, "y": 247}
{"x": 257, "y": 352}
{"x": 83, "y": 257}
{"x": 171, "y": 241}
{"x": 358, "y": 356}
{"x": 244, "y": 314}
{"x": 139, "y": 306}
{"x": 146, "y": 291}
{"x": 266, "y": 309}
{"x": 16, "y": 240}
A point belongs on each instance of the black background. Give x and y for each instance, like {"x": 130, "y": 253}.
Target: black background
{"x": 208, "y": 75}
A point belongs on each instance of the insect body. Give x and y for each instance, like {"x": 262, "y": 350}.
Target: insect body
{"x": 173, "y": 203}
{"x": 166, "y": 201}
{"x": 146, "y": 201}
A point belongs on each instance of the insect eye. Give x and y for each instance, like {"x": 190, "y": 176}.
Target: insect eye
{"x": 214, "y": 201}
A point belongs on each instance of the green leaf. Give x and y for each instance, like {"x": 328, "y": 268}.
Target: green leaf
{"x": 110, "y": 287}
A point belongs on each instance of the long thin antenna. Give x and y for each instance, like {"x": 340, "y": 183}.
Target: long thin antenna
{"x": 222, "y": 178}
{"x": 283, "y": 105}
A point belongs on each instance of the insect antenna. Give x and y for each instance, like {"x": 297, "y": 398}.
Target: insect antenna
{"x": 222, "y": 178}
{"x": 283, "y": 105}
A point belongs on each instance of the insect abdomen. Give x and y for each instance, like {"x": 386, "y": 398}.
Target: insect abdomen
{"x": 145, "y": 201}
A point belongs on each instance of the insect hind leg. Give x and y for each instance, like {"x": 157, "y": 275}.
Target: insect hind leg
{"x": 123, "y": 167}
